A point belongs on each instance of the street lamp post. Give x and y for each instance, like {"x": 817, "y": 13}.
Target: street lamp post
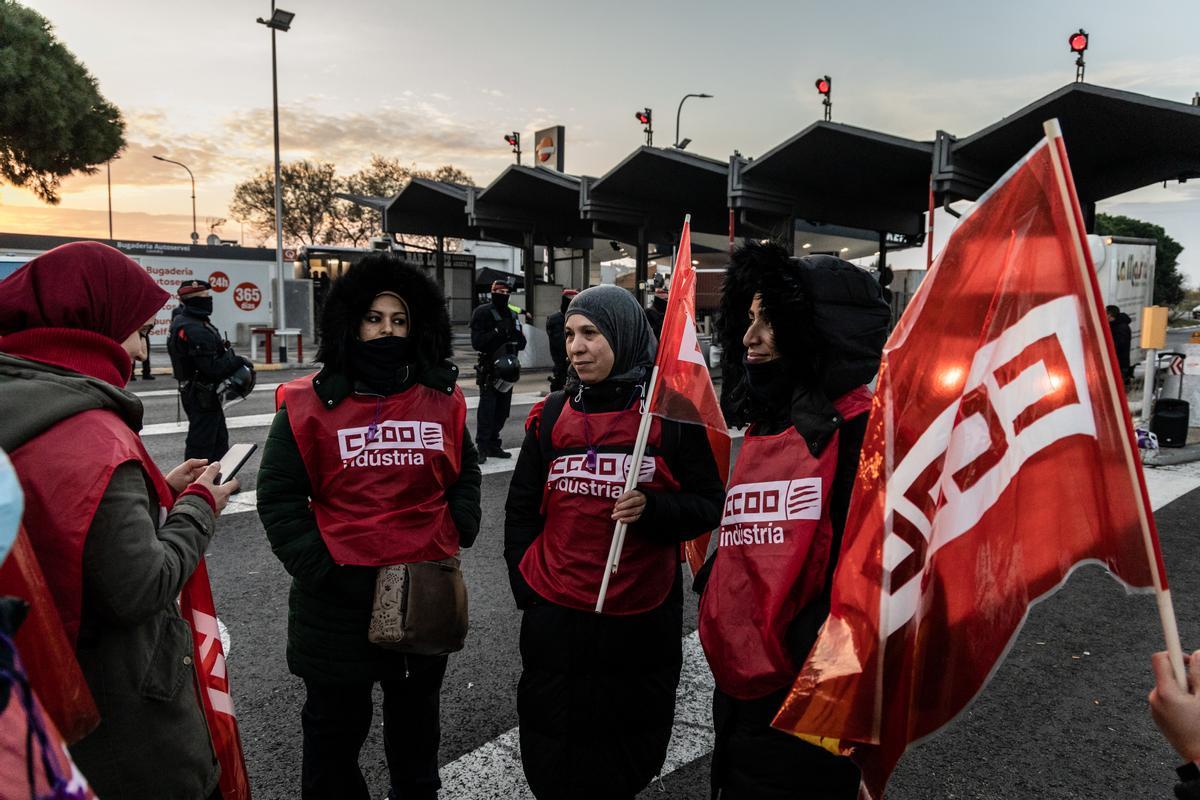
{"x": 280, "y": 21}
{"x": 195, "y": 235}
{"x": 679, "y": 111}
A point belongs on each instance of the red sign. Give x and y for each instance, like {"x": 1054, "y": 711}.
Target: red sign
{"x": 998, "y": 456}
{"x": 219, "y": 281}
{"x": 247, "y": 296}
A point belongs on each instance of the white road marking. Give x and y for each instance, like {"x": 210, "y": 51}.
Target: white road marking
{"x": 264, "y": 420}
{"x": 258, "y": 387}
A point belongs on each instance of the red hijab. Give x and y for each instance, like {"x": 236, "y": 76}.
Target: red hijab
{"x": 74, "y": 305}
{"x": 84, "y": 285}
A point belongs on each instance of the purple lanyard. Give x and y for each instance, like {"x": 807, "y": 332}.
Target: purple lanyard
{"x": 592, "y": 458}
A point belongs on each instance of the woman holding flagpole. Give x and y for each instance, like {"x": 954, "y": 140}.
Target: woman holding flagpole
{"x": 801, "y": 338}
{"x": 596, "y": 698}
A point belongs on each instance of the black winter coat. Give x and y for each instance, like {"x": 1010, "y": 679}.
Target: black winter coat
{"x": 329, "y": 607}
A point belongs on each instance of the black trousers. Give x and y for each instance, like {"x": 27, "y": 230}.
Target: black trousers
{"x": 337, "y": 717}
{"x": 207, "y": 436}
{"x": 558, "y": 377}
{"x": 753, "y": 761}
{"x": 491, "y": 416}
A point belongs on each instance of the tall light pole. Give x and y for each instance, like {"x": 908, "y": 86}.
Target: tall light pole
{"x": 195, "y": 236}
{"x": 280, "y": 21}
{"x": 679, "y": 111}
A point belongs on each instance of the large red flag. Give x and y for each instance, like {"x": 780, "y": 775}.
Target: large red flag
{"x": 997, "y": 398}
{"x": 684, "y": 390}
{"x": 197, "y": 607}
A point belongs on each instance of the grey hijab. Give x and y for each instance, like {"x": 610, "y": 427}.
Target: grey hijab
{"x": 622, "y": 322}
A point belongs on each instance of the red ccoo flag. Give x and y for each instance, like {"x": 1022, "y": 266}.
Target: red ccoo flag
{"x": 197, "y": 607}
{"x": 684, "y": 391}
{"x": 997, "y": 397}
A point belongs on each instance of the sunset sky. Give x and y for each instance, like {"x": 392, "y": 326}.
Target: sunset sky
{"x": 441, "y": 82}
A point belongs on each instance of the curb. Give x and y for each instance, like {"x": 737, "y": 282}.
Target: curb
{"x": 1171, "y": 456}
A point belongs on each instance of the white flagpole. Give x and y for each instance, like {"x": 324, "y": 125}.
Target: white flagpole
{"x": 631, "y": 482}
{"x": 635, "y": 464}
{"x": 1166, "y": 609}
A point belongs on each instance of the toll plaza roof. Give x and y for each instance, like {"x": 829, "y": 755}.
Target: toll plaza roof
{"x": 537, "y": 201}
{"x": 652, "y": 188}
{"x": 1116, "y": 141}
{"x": 838, "y": 174}
{"x": 430, "y": 208}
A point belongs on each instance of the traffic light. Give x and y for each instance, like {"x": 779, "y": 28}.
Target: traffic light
{"x": 1078, "y": 42}
{"x": 514, "y": 140}
{"x": 646, "y": 117}
{"x": 824, "y": 86}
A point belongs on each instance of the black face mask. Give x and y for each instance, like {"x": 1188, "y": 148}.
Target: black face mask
{"x": 766, "y": 383}
{"x": 201, "y": 305}
{"x": 500, "y": 301}
{"x": 383, "y": 364}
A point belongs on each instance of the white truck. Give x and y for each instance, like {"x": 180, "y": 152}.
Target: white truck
{"x": 1125, "y": 271}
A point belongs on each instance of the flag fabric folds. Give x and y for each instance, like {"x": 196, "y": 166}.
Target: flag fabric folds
{"x": 196, "y": 605}
{"x": 997, "y": 398}
{"x": 684, "y": 391}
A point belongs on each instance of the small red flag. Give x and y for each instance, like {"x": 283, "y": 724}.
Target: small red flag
{"x": 997, "y": 398}
{"x": 196, "y": 605}
{"x": 684, "y": 391}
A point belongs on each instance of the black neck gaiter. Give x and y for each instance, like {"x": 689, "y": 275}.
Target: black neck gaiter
{"x": 384, "y": 365}
{"x": 198, "y": 305}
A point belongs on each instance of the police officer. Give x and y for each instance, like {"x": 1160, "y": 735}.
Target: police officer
{"x": 200, "y": 360}
{"x": 556, "y": 333}
{"x": 657, "y": 311}
{"x": 495, "y": 334}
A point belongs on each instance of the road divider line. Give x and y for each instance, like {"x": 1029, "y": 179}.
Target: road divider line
{"x": 264, "y": 420}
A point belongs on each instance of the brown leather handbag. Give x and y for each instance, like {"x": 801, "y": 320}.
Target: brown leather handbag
{"x": 420, "y": 608}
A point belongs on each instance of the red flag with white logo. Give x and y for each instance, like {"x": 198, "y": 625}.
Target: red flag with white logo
{"x": 196, "y": 605}
{"x": 997, "y": 398}
{"x": 684, "y": 391}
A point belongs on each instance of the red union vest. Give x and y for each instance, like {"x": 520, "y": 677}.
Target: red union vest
{"x": 774, "y": 542}
{"x": 380, "y": 497}
{"x": 566, "y": 563}
{"x": 64, "y": 472}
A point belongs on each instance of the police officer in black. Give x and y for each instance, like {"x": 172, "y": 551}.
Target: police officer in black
{"x": 200, "y": 360}
{"x": 557, "y": 334}
{"x": 494, "y": 334}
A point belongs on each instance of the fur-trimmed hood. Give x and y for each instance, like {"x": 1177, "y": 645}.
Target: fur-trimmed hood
{"x": 828, "y": 316}
{"x": 350, "y": 296}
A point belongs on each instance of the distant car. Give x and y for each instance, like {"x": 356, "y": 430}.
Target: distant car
{"x": 1196, "y": 312}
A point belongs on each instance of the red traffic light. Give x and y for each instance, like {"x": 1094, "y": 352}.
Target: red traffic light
{"x": 1078, "y": 41}
{"x": 512, "y": 139}
{"x": 823, "y": 85}
{"x": 643, "y": 116}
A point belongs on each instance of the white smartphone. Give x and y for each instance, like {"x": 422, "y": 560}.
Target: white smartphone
{"x": 233, "y": 460}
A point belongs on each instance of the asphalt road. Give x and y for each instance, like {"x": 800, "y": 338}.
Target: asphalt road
{"x": 1064, "y": 716}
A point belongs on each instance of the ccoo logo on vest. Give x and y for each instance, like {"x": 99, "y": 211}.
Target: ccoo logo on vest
{"x": 571, "y": 475}
{"x": 753, "y": 511}
{"x": 395, "y": 443}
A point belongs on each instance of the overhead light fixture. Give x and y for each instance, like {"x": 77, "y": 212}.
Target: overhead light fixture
{"x": 845, "y": 250}
{"x": 806, "y": 245}
{"x": 280, "y": 20}
{"x": 695, "y": 262}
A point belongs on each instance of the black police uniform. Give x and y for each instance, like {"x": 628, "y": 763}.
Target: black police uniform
{"x": 200, "y": 360}
{"x": 655, "y": 315}
{"x": 492, "y": 331}
{"x": 556, "y": 326}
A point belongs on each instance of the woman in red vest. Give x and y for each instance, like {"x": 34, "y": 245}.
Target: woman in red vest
{"x": 596, "y": 697}
{"x": 801, "y": 338}
{"x": 368, "y": 464}
{"x": 115, "y": 539}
